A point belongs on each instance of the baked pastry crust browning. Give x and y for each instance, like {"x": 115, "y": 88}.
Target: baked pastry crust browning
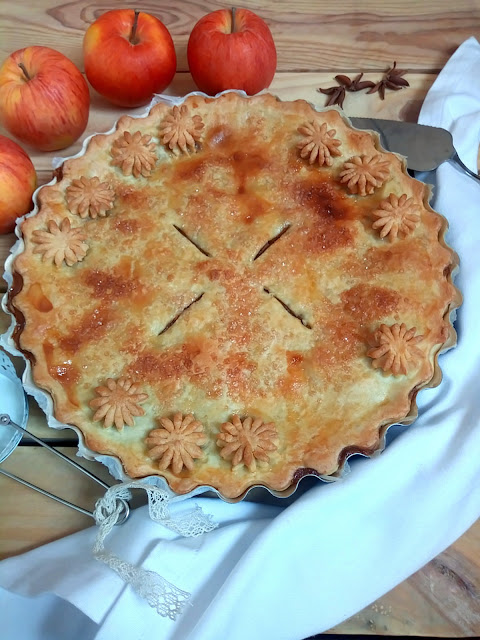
{"x": 268, "y": 322}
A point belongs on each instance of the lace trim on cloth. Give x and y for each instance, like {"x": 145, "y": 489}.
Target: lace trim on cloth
{"x": 167, "y": 599}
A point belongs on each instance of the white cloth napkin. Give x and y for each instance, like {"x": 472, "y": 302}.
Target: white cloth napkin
{"x": 291, "y": 572}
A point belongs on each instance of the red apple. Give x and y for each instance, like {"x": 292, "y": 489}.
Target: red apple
{"x": 129, "y": 56}
{"x": 231, "y": 50}
{"x": 44, "y": 99}
{"x": 17, "y": 183}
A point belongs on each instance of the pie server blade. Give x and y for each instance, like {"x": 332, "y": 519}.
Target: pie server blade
{"x": 425, "y": 147}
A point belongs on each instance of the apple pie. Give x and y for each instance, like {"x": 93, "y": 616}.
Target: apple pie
{"x": 234, "y": 292}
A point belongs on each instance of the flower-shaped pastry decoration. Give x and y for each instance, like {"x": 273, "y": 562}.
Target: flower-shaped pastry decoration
{"x": 396, "y": 215}
{"x": 134, "y": 154}
{"x": 396, "y": 349}
{"x": 364, "y": 174}
{"x": 248, "y": 440}
{"x": 118, "y": 403}
{"x": 176, "y": 443}
{"x": 180, "y": 131}
{"x": 319, "y": 143}
{"x": 61, "y": 243}
{"x": 90, "y": 197}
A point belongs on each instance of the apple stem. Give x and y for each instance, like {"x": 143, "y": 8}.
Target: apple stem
{"x": 133, "y": 32}
{"x": 234, "y": 9}
{"x": 24, "y": 69}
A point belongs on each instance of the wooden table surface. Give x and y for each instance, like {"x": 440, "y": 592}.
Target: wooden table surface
{"x": 315, "y": 40}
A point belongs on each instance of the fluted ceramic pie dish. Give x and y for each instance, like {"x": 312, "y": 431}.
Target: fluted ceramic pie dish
{"x": 230, "y": 293}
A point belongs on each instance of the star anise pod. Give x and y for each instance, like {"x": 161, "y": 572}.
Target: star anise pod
{"x": 357, "y": 84}
{"x": 392, "y": 79}
{"x": 337, "y": 93}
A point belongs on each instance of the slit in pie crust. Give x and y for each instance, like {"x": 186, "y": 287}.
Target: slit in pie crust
{"x": 255, "y": 290}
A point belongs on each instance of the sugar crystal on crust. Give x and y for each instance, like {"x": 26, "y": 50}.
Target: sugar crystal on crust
{"x": 90, "y": 197}
{"x": 245, "y": 441}
{"x": 61, "y": 243}
{"x": 180, "y": 131}
{"x": 319, "y": 143}
{"x": 396, "y": 215}
{"x": 364, "y": 174}
{"x": 176, "y": 443}
{"x": 134, "y": 154}
{"x": 118, "y": 403}
{"x": 396, "y": 349}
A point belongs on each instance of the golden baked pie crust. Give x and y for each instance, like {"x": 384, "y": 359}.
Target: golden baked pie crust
{"x": 249, "y": 290}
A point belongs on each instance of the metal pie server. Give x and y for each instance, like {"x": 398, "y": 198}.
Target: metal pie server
{"x": 425, "y": 147}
